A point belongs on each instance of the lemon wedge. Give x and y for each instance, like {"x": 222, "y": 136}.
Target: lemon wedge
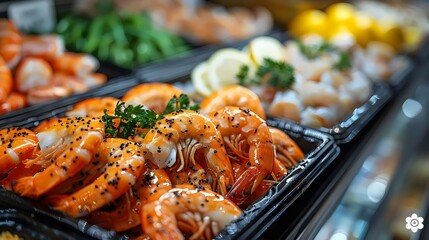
{"x": 200, "y": 79}
{"x": 224, "y": 65}
{"x": 265, "y": 47}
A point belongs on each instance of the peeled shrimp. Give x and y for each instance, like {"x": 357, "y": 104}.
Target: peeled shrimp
{"x": 94, "y": 79}
{"x": 17, "y": 144}
{"x": 186, "y": 210}
{"x": 73, "y": 83}
{"x": 287, "y": 151}
{"x": 6, "y": 82}
{"x": 93, "y": 107}
{"x": 47, "y": 47}
{"x": 286, "y": 104}
{"x": 155, "y": 96}
{"x": 76, "y": 64}
{"x": 31, "y": 73}
{"x": 180, "y": 134}
{"x": 69, "y": 146}
{"x": 125, "y": 164}
{"x": 47, "y": 93}
{"x": 247, "y": 136}
{"x": 13, "y": 102}
{"x": 234, "y": 95}
{"x": 320, "y": 117}
{"x": 10, "y": 43}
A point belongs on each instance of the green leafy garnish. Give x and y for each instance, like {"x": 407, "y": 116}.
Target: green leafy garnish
{"x": 126, "y": 119}
{"x": 343, "y": 62}
{"x": 277, "y": 74}
{"x": 312, "y": 51}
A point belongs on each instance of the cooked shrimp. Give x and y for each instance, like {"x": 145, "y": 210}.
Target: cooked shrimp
{"x": 6, "y": 82}
{"x": 286, "y": 104}
{"x": 17, "y": 144}
{"x": 195, "y": 175}
{"x": 93, "y": 107}
{"x": 190, "y": 211}
{"x": 320, "y": 117}
{"x": 47, "y": 124}
{"x": 76, "y": 64}
{"x": 94, "y": 79}
{"x": 70, "y": 146}
{"x": 287, "y": 151}
{"x": 317, "y": 94}
{"x": 234, "y": 95}
{"x": 149, "y": 187}
{"x": 73, "y": 83}
{"x": 10, "y": 43}
{"x": 13, "y": 102}
{"x": 248, "y": 137}
{"x": 181, "y": 134}
{"x": 43, "y": 94}
{"x": 125, "y": 164}
{"x": 31, "y": 73}
{"x": 47, "y": 47}
{"x": 155, "y": 96}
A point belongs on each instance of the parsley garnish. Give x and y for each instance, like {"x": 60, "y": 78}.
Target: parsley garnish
{"x": 277, "y": 74}
{"x": 343, "y": 62}
{"x": 126, "y": 119}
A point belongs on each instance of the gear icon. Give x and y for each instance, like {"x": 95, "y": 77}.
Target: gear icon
{"x": 414, "y": 222}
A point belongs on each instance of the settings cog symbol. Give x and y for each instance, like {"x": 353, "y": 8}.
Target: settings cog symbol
{"x": 414, "y": 222}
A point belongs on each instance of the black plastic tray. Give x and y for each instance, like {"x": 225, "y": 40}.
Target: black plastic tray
{"x": 320, "y": 150}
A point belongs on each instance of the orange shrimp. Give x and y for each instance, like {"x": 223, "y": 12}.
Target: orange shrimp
{"x": 31, "y": 73}
{"x": 188, "y": 211}
{"x": 125, "y": 164}
{"x": 234, "y": 95}
{"x": 10, "y": 43}
{"x": 47, "y": 124}
{"x": 75, "y": 84}
{"x": 76, "y": 64}
{"x": 70, "y": 146}
{"x": 94, "y": 79}
{"x": 13, "y": 102}
{"x": 248, "y": 137}
{"x": 43, "y": 94}
{"x": 155, "y": 96}
{"x": 195, "y": 175}
{"x": 47, "y": 47}
{"x": 6, "y": 82}
{"x": 17, "y": 144}
{"x": 181, "y": 134}
{"x": 93, "y": 107}
{"x": 287, "y": 151}
{"x": 148, "y": 188}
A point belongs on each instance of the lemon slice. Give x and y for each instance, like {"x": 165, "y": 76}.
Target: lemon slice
{"x": 224, "y": 65}
{"x": 200, "y": 80}
{"x": 265, "y": 47}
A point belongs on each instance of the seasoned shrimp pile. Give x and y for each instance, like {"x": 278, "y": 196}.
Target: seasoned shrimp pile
{"x": 159, "y": 169}
{"x": 35, "y": 69}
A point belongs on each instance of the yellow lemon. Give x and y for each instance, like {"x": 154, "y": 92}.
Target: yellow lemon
{"x": 390, "y": 33}
{"x": 340, "y": 13}
{"x": 200, "y": 79}
{"x": 362, "y": 28}
{"x": 413, "y": 36}
{"x": 265, "y": 47}
{"x": 309, "y": 21}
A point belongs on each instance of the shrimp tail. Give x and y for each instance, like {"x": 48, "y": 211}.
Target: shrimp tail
{"x": 246, "y": 184}
{"x": 55, "y": 199}
{"x": 24, "y": 186}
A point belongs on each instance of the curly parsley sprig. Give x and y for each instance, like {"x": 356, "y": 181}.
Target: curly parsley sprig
{"x": 127, "y": 118}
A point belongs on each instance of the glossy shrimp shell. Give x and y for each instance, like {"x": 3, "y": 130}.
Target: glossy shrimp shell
{"x": 287, "y": 151}
{"x": 179, "y": 135}
{"x": 93, "y": 107}
{"x": 248, "y": 138}
{"x": 17, "y": 144}
{"x": 66, "y": 148}
{"x": 124, "y": 164}
{"x": 155, "y": 96}
{"x": 186, "y": 210}
{"x": 234, "y": 95}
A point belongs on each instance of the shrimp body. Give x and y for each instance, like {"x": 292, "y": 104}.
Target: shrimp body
{"x": 70, "y": 146}
{"x": 10, "y": 43}
{"x": 93, "y": 107}
{"x": 247, "y": 137}
{"x": 181, "y": 134}
{"x": 31, "y": 73}
{"x": 75, "y": 64}
{"x": 17, "y": 144}
{"x": 14, "y": 101}
{"x": 47, "y": 93}
{"x": 234, "y": 95}
{"x": 125, "y": 164}
{"x": 186, "y": 210}
{"x": 150, "y": 186}
{"x": 47, "y": 47}
{"x": 155, "y": 96}
{"x": 287, "y": 151}
{"x": 6, "y": 82}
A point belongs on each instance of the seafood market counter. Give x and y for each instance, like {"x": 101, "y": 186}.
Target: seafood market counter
{"x": 379, "y": 181}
